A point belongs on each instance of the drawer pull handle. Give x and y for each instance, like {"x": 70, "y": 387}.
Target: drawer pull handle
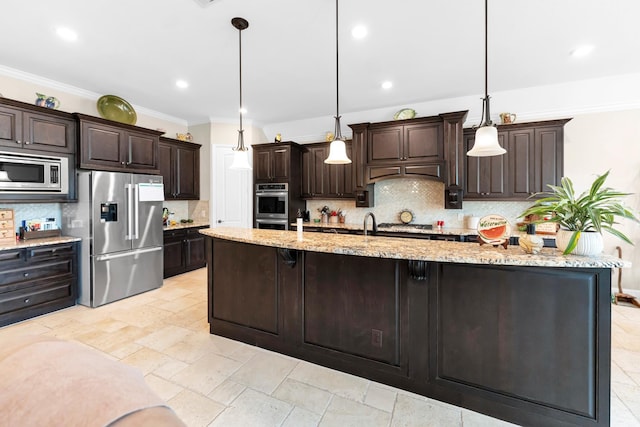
{"x": 27, "y": 300}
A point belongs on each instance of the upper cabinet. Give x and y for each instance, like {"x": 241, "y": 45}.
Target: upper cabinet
{"x": 324, "y": 181}
{"x": 179, "y": 164}
{"x": 279, "y": 163}
{"x": 30, "y": 127}
{"x": 111, "y": 146}
{"x": 406, "y": 148}
{"x": 534, "y": 160}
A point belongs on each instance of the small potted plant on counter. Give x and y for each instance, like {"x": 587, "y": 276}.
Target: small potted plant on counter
{"x": 582, "y": 218}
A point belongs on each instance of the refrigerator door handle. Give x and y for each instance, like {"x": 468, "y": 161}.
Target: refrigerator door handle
{"x": 129, "y": 235}
{"x": 108, "y": 257}
{"x": 136, "y": 212}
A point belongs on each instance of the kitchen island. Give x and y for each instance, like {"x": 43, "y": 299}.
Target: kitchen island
{"x": 519, "y": 337}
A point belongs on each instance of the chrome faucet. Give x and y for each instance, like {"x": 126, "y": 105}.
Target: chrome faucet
{"x": 373, "y": 218}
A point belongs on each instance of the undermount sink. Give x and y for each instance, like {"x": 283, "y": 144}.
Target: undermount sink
{"x": 402, "y": 225}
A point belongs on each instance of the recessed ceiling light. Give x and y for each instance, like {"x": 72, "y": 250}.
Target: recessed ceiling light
{"x": 182, "y": 84}
{"x": 67, "y": 34}
{"x": 387, "y": 85}
{"x": 359, "y": 32}
{"x": 582, "y": 51}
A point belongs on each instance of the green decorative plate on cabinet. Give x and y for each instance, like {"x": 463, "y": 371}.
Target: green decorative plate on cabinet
{"x": 405, "y": 113}
{"x": 114, "y": 108}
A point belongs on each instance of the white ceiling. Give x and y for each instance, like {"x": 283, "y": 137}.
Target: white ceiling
{"x": 431, "y": 50}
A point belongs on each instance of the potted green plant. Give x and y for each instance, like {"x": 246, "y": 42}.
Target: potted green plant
{"x": 582, "y": 217}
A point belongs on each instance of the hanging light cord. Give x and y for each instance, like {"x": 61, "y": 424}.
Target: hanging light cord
{"x": 338, "y": 130}
{"x": 485, "y": 103}
{"x": 240, "y": 146}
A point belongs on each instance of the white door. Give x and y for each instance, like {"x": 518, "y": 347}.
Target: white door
{"x": 231, "y": 201}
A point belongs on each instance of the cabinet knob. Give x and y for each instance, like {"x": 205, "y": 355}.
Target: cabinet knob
{"x": 219, "y": 221}
{"x": 122, "y": 163}
{"x": 25, "y": 274}
{"x": 18, "y": 142}
{"x": 27, "y": 143}
{"x": 27, "y": 300}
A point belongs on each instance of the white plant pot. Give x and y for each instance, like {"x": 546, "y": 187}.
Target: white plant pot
{"x": 590, "y": 242}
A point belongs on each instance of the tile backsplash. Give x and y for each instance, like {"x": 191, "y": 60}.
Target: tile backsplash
{"x": 27, "y": 211}
{"x": 425, "y": 198}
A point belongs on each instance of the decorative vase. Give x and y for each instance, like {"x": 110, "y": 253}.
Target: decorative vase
{"x": 333, "y": 219}
{"x": 325, "y": 218}
{"x": 590, "y": 242}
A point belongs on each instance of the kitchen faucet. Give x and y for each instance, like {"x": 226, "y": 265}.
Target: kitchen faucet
{"x": 375, "y": 225}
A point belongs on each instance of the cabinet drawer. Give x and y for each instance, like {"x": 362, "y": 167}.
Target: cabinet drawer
{"x": 22, "y": 273}
{"x": 174, "y": 234}
{"x": 7, "y": 257}
{"x": 6, "y": 214}
{"x": 49, "y": 251}
{"x": 30, "y": 296}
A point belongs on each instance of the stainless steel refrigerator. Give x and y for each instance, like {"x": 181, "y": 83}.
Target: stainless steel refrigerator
{"x": 119, "y": 218}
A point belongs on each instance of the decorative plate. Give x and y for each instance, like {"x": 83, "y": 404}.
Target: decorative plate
{"x": 494, "y": 229}
{"x": 114, "y": 108}
{"x": 405, "y": 113}
{"x": 406, "y": 216}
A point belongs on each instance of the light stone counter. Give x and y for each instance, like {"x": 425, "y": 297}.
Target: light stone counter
{"x": 417, "y": 249}
{"x": 181, "y": 225}
{"x": 394, "y": 229}
{"x": 32, "y": 243}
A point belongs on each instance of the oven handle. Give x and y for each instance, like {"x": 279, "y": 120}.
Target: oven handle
{"x": 271, "y": 221}
{"x": 272, "y": 193}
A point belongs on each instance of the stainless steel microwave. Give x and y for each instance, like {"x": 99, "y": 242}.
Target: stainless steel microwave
{"x": 33, "y": 174}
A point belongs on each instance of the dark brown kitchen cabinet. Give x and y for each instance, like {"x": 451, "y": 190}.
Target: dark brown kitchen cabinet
{"x": 362, "y": 190}
{"x": 37, "y": 280}
{"x": 406, "y": 148}
{"x": 534, "y": 160}
{"x": 184, "y": 250}
{"x": 30, "y": 127}
{"x": 111, "y": 146}
{"x": 272, "y": 162}
{"x": 486, "y": 177}
{"x": 179, "y": 164}
{"x": 324, "y": 181}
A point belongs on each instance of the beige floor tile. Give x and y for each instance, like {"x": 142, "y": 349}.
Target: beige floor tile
{"x": 178, "y": 305}
{"x": 164, "y": 338}
{"x": 620, "y": 376}
{"x": 124, "y": 350}
{"x": 227, "y": 392}
{"x": 474, "y": 419}
{"x": 163, "y": 388}
{"x": 339, "y": 383}
{"x": 303, "y": 396}
{"x": 348, "y": 413}
{"x": 24, "y": 328}
{"x": 301, "y": 418}
{"x": 621, "y": 416}
{"x": 383, "y": 398}
{"x": 273, "y": 370}
{"x": 113, "y": 342}
{"x": 146, "y": 360}
{"x": 254, "y": 409}
{"x": 410, "y": 412}
{"x": 192, "y": 347}
{"x": 628, "y": 361}
{"x": 630, "y": 395}
{"x": 194, "y": 409}
{"x": 170, "y": 368}
{"x": 206, "y": 374}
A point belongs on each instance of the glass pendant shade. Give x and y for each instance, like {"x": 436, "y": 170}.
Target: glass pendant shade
{"x": 240, "y": 160}
{"x": 337, "y": 153}
{"x": 486, "y": 143}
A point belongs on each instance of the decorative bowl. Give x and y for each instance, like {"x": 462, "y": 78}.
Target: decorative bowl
{"x": 114, "y": 108}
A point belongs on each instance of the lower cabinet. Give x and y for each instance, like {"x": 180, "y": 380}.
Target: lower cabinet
{"x": 184, "y": 250}
{"x": 529, "y": 345}
{"x": 37, "y": 280}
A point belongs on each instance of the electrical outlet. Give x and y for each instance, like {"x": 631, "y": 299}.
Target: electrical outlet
{"x": 376, "y": 338}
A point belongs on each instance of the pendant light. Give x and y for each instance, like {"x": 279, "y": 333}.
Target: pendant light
{"x": 337, "y": 149}
{"x": 241, "y": 156}
{"x": 486, "y": 142}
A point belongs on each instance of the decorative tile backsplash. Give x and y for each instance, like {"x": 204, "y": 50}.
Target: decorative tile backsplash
{"x": 425, "y": 198}
{"x": 27, "y": 211}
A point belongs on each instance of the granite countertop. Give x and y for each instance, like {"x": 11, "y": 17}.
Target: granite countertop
{"x": 414, "y": 230}
{"x": 32, "y": 243}
{"x": 180, "y": 225}
{"x": 419, "y": 249}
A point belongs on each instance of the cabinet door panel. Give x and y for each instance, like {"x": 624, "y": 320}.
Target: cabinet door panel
{"x": 195, "y": 256}
{"x": 422, "y": 142}
{"x": 187, "y": 173}
{"x": 307, "y": 170}
{"x": 48, "y": 133}
{"x": 547, "y": 158}
{"x": 165, "y": 160}
{"x": 520, "y": 152}
{"x": 173, "y": 255}
{"x": 141, "y": 151}
{"x": 101, "y": 145}
{"x": 320, "y": 170}
{"x": 262, "y": 165}
{"x": 281, "y": 160}
{"x": 385, "y": 144}
{"x": 10, "y": 127}
{"x": 485, "y": 177}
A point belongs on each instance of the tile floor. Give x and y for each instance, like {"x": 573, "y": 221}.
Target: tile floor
{"x": 213, "y": 381}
